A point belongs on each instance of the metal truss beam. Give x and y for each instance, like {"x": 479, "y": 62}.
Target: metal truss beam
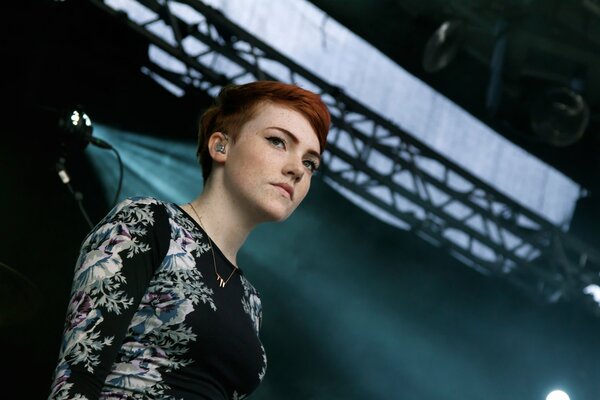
{"x": 376, "y": 160}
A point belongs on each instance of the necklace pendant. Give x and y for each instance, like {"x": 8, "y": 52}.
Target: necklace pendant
{"x": 221, "y": 281}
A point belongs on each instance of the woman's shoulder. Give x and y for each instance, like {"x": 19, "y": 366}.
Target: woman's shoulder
{"x": 137, "y": 216}
{"x": 136, "y": 208}
{"x": 147, "y": 210}
{"x": 138, "y": 201}
{"x": 141, "y": 202}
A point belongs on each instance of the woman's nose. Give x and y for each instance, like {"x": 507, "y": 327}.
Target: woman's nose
{"x": 295, "y": 169}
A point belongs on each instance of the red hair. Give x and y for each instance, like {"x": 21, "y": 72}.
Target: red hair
{"x": 237, "y": 104}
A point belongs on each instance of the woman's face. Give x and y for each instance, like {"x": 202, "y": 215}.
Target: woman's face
{"x": 270, "y": 163}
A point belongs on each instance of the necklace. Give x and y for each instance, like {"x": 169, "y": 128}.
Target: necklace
{"x": 222, "y": 282}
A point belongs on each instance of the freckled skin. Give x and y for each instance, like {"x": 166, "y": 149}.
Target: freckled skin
{"x": 258, "y": 158}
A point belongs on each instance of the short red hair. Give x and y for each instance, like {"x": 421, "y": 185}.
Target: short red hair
{"x": 237, "y": 104}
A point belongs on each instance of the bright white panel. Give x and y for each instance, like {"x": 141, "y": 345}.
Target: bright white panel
{"x": 308, "y": 36}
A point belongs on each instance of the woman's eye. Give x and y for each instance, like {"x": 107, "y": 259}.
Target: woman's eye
{"x": 311, "y": 165}
{"x": 277, "y": 141}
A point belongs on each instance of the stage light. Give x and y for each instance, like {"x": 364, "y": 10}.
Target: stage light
{"x": 594, "y": 291}
{"x": 76, "y": 117}
{"x": 557, "y": 395}
{"x": 74, "y": 129}
{"x": 560, "y": 116}
{"x": 443, "y": 45}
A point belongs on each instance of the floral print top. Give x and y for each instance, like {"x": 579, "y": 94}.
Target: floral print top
{"x": 147, "y": 318}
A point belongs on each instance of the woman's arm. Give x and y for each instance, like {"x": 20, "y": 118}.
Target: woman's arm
{"x": 116, "y": 262}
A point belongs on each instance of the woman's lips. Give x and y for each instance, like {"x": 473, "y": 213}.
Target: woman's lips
{"x": 286, "y": 189}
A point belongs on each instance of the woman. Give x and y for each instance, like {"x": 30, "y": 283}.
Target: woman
{"x": 159, "y": 306}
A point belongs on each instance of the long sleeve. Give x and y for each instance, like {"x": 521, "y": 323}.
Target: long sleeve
{"x": 116, "y": 263}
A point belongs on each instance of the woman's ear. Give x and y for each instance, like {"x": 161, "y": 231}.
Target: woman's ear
{"x": 217, "y": 146}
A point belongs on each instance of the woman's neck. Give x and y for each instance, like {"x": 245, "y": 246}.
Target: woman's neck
{"x": 222, "y": 221}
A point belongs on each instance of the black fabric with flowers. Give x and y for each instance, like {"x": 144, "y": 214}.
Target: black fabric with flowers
{"x": 147, "y": 318}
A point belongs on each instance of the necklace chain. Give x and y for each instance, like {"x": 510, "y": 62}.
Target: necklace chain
{"x": 222, "y": 282}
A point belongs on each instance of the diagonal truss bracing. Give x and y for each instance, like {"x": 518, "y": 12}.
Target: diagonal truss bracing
{"x": 370, "y": 157}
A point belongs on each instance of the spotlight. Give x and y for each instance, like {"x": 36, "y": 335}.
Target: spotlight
{"x": 557, "y": 395}
{"x": 559, "y": 116}
{"x": 74, "y": 129}
{"x": 443, "y": 45}
{"x": 71, "y": 126}
{"x": 593, "y": 290}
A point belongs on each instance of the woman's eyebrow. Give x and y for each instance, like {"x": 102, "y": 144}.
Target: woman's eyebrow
{"x": 295, "y": 139}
